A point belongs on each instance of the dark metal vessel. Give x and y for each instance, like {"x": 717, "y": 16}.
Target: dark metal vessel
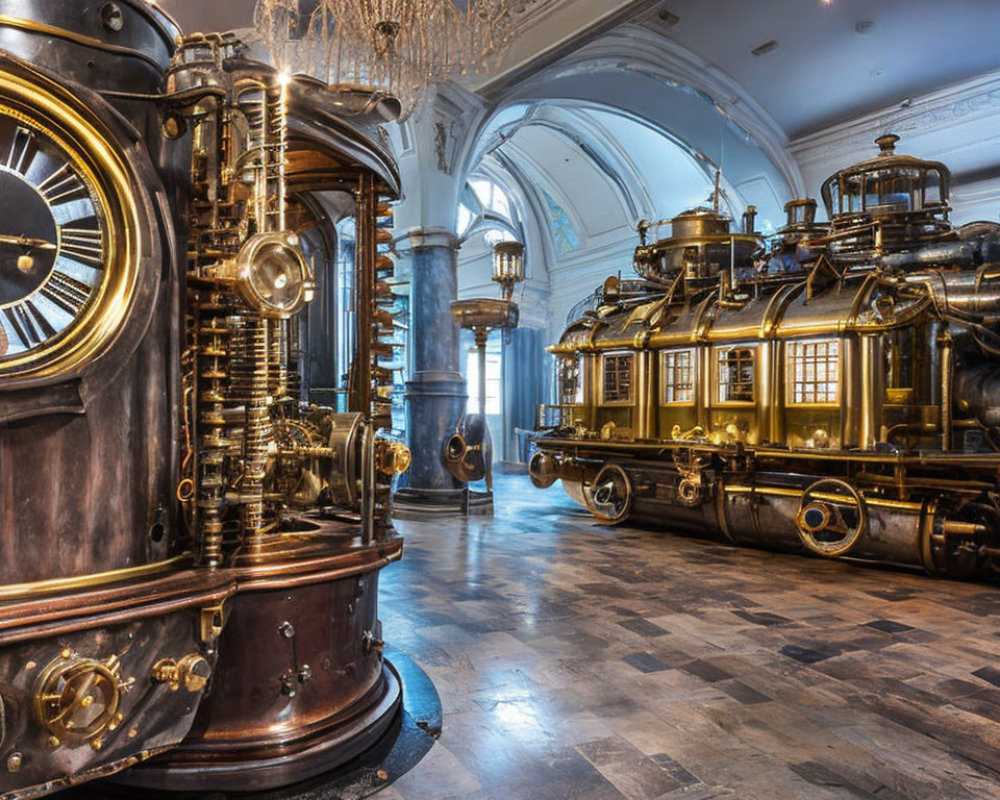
{"x": 189, "y": 550}
{"x": 837, "y": 393}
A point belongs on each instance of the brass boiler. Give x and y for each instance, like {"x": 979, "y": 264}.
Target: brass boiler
{"x": 835, "y": 393}
{"x": 179, "y": 528}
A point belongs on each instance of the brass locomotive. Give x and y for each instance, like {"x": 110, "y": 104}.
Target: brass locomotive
{"x": 189, "y": 551}
{"x": 836, "y": 393}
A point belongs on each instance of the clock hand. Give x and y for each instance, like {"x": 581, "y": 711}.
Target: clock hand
{"x": 26, "y": 241}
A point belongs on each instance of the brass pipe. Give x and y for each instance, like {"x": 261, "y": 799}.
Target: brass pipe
{"x": 481, "y": 334}
{"x": 947, "y": 388}
{"x": 870, "y": 405}
{"x": 641, "y": 389}
{"x": 766, "y": 400}
{"x": 953, "y": 528}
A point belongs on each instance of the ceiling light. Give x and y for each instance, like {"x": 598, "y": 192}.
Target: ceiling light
{"x": 767, "y": 47}
{"x": 396, "y": 47}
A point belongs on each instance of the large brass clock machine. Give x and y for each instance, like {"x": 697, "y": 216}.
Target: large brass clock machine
{"x": 190, "y": 543}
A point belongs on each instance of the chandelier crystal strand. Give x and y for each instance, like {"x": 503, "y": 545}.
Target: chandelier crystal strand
{"x": 396, "y": 47}
{"x": 276, "y": 22}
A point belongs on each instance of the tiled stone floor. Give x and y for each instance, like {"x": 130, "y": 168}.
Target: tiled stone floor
{"x": 580, "y": 662}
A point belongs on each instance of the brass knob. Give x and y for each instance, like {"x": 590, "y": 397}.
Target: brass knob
{"x": 194, "y": 672}
{"x": 165, "y": 671}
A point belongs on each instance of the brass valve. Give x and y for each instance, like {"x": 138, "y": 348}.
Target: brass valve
{"x": 192, "y": 672}
{"x": 77, "y": 698}
{"x": 391, "y": 458}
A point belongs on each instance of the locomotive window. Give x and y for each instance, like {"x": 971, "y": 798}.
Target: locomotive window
{"x": 616, "y": 378}
{"x": 677, "y": 367}
{"x": 570, "y": 372}
{"x": 735, "y": 374}
{"x": 813, "y": 369}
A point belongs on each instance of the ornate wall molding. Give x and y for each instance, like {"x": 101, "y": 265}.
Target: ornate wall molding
{"x": 954, "y": 125}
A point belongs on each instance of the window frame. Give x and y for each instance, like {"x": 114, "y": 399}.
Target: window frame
{"x": 630, "y": 400}
{"x": 670, "y": 372}
{"x": 717, "y": 383}
{"x": 792, "y": 359}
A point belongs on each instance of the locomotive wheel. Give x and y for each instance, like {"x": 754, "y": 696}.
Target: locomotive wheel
{"x": 609, "y": 496}
{"x": 831, "y": 517}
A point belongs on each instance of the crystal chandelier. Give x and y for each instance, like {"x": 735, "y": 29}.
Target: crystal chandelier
{"x": 396, "y": 47}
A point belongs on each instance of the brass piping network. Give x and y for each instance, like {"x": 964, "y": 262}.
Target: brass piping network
{"x": 239, "y": 128}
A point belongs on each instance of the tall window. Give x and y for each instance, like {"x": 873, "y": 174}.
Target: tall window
{"x": 813, "y": 369}
{"x": 677, "y": 369}
{"x": 616, "y": 381}
{"x": 345, "y": 333}
{"x": 494, "y": 389}
{"x": 735, "y": 374}
{"x": 563, "y": 233}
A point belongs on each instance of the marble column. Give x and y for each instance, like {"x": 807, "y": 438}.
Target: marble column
{"x": 435, "y": 392}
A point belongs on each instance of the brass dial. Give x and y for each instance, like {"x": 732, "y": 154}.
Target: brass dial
{"x": 77, "y": 698}
{"x": 68, "y": 233}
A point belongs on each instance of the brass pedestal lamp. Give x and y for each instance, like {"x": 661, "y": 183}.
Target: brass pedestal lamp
{"x": 468, "y": 450}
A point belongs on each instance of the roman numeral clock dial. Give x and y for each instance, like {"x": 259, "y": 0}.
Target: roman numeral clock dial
{"x": 51, "y": 240}
{"x": 80, "y": 256}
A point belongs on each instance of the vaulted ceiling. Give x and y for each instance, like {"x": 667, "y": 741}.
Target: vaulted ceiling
{"x": 831, "y": 59}
{"x": 608, "y": 112}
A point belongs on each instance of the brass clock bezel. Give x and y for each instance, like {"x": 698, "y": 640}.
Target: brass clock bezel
{"x": 79, "y": 133}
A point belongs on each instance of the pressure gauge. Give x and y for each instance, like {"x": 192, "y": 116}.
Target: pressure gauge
{"x": 69, "y": 235}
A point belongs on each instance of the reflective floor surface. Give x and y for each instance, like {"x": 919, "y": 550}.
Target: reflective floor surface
{"x": 580, "y": 662}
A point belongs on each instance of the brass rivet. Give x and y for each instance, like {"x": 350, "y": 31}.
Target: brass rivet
{"x": 97, "y": 744}
{"x": 14, "y": 762}
{"x": 133, "y": 733}
{"x": 53, "y": 742}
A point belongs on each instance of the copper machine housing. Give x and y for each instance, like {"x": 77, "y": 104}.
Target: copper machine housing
{"x": 189, "y": 550}
{"x": 835, "y": 393}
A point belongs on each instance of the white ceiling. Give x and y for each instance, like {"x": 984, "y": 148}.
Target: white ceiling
{"x": 203, "y": 16}
{"x": 836, "y": 60}
{"x": 591, "y": 97}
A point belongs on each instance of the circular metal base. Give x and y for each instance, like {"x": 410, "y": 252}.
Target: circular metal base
{"x": 409, "y": 736}
{"x": 232, "y": 766}
{"x": 426, "y": 503}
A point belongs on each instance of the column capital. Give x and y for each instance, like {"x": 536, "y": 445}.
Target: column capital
{"x": 426, "y": 237}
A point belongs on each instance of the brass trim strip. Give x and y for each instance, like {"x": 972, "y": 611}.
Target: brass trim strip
{"x": 52, "y": 585}
{"x": 119, "y": 616}
{"x": 77, "y": 38}
{"x": 263, "y": 584}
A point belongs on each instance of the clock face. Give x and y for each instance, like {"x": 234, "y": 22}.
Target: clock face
{"x": 75, "y": 235}
{"x": 52, "y": 238}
